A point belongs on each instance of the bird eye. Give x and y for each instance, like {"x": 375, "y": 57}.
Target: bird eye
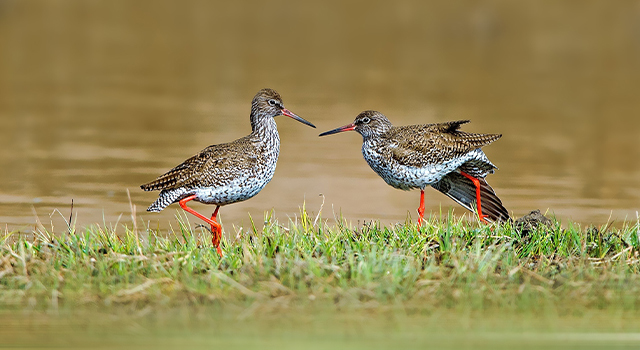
{"x": 272, "y": 102}
{"x": 366, "y": 120}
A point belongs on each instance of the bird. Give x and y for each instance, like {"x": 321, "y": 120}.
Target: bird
{"x": 227, "y": 173}
{"x": 439, "y": 155}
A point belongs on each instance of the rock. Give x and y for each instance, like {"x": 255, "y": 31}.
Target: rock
{"x": 531, "y": 221}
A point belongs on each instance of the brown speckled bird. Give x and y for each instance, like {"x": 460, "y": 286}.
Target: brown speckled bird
{"x": 439, "y": 155}
{"x": 229, "y": 172}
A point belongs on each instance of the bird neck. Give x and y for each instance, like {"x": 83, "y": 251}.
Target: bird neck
{"x": 369, "y": 137}
{"x": 263, "y": 126}
{"x": 375, "y": 131}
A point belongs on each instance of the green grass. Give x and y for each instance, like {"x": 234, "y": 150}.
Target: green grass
{"x": 307, "y": 284}
{"x": 448, "y": 264}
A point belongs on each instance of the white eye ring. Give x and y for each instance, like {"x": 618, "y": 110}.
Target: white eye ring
{"x": 366, "y": 120}
{"x": 272, "y": 102}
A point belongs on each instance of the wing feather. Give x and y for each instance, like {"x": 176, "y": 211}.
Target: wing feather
{"x": 419, "y": 145}
{"x": 215, "y": 165}
{"x": 463, "y": 192}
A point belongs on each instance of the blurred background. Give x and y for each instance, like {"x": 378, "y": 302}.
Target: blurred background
{"x": 98, "y": 97}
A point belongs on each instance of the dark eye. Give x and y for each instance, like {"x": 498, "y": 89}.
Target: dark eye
{"x": 366, "y": 120}
{"x": 272, "y": 102}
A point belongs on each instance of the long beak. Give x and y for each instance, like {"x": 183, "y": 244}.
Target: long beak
{"x": 348, "y": 127}
{"x": 290, "y": 114}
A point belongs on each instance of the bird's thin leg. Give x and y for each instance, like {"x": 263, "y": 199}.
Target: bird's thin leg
{"x": 216, "y": 231}
{"x": 421, "y": 208}
{"x": 183, "y": 204}
{"x": 216, "y": 228}
{"x": 476, "y": 182}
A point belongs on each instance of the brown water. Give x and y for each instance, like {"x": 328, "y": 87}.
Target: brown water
{"x": 98, "y": 97}
{"x": 206, "y": 328}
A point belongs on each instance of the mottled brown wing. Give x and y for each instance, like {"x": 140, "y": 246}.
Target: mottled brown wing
{"x": 215, "y": 165}
{"x": 420, "y": 145}
{"x": 174, "y": 176}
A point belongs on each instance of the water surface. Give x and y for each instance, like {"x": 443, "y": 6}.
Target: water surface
{"x": 204, "y": 328}
{"x": 97, "y": 98}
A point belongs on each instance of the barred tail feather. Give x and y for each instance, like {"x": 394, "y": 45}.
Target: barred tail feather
{"x": 165, "y": 198}
{"x": 463, "y": 192}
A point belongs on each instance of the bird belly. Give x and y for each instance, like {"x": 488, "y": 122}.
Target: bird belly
{"x": 410, "y": 177}
{"x": 236, "y": 191}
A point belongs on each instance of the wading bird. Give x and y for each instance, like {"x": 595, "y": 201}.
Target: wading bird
{"x": 229, "y": 172}
{"x": 436, "y": 155}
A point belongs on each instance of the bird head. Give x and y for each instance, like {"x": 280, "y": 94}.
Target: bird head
{"x": 367, "y": 124}
{"x": 267, "y": 103}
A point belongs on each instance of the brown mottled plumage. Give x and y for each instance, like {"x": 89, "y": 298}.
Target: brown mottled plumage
{"x": 229, "y": 172}
{"x": 214, "y": 165}
{"x": 418, "y": 145}
{"x": 439, "y": 155}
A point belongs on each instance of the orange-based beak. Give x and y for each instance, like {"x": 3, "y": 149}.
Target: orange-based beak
{"x": 290, "y": 114}
{"x": 348, "y": 127}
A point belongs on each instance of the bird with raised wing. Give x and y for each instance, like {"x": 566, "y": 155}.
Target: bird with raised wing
{"x": 437, "y": 155}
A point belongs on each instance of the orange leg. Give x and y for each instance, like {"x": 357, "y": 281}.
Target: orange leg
{"x": 216, "y": 228}
{"x": 421, "y": 208}
{"x": 216, "y": 231}
{"x": 477, "y": 184}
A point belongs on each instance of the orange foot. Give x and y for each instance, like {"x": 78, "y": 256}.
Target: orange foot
{"x": 482, "y": 216}
{"x": 216, "y": 235}
{"x": 421, "y": 208}
{"x": 216, "y": 232}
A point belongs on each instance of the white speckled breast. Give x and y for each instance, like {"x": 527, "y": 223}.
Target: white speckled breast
{"x": 409, "y": 177}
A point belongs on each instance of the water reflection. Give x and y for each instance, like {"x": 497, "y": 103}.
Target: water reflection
{"x": 99, "y": 97}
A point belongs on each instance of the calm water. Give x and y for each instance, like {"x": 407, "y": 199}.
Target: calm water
{"x": 98, "y": 97}
{"x": 204, "y": 328}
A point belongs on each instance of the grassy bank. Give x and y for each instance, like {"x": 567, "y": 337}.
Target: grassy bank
{"x": 306, "y": 284}
{"x": 448, "y": 264}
